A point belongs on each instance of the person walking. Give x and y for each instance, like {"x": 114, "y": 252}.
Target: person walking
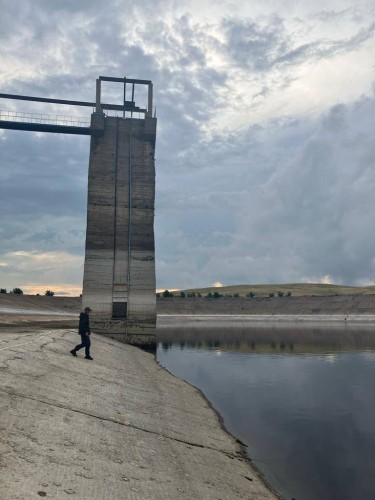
{"x": 84, "y": 331}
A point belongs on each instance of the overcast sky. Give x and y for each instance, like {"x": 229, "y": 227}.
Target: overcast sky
{"x": 265, "y": 153}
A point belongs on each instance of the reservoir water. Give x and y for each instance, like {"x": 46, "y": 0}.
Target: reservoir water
{"x": 301, "y": 399}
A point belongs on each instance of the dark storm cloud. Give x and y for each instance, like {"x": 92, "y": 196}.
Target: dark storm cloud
{"x": 263, "y": 47}
{"x": 314, "y": 208}
{"x": 252, "y": 45}
{"x": 300, "y": 207}
{"x": 45, "y": 172}
{"x": 43, "y": 191}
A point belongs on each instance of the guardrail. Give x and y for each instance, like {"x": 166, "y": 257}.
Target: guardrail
{"x": 20, "y": 117}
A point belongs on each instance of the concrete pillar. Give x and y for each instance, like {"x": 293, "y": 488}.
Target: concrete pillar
{"x": 119, "y": 273}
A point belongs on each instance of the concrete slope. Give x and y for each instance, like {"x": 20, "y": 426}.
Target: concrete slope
{"x": 349, "y": 304}
{"x": 32, "y": 311}
{"x": 118, "y": 427}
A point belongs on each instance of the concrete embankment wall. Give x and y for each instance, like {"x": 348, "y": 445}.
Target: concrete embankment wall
{"x": 119, "y": 428}
{"x": 119, "y": 271}
{"x": 350, "y": 304}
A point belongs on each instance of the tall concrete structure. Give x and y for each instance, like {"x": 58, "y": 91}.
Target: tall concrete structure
{"x": 119, "y": 272}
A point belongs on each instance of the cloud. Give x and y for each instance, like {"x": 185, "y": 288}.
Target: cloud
{"x": 305, "y": 214}
{"x": 264, "y": 154}
{"x": 33, "y": 271}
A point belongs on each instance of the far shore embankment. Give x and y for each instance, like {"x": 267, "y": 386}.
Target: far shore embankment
{"x": 339, "y": 305}
{"x": 32, "y": 311}
{"x": 62, "y": 312}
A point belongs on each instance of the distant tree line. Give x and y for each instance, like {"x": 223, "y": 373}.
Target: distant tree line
{"x": 19, "y": 291}
{"x": 15, "y": 291}
{"x": 215, "y": 295}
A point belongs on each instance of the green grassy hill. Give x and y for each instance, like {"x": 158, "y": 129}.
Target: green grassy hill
{"x": 296, "y": 289}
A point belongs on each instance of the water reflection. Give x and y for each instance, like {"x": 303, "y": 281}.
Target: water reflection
{"x": 297, "y": 339}
{"x": 303, "y": 400}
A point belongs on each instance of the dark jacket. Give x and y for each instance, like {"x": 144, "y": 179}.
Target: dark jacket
{"x": 84, "y": 324}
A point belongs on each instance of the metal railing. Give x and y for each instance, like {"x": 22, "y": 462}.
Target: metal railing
{"x": 20, "y": 117}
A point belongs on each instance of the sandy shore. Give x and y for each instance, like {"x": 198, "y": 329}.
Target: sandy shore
{"x": 120, "y": 427}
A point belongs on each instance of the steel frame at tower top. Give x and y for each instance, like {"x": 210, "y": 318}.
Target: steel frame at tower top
{"x": 19, "y": 123}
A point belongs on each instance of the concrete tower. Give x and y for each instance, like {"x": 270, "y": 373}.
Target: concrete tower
{"x": 119, "y": 273}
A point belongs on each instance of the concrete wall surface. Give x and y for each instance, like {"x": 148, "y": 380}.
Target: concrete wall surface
{"x": 352, "y": 304}
{"x": 119, "y": 273}
{"x": 119, "y": 427}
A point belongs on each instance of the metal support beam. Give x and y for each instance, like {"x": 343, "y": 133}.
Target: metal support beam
{"x": 43, "y": 127}
{"x": 149, "y": 105}
{"x": 47, "y": 99}
{"x": 129, "y": 105}
{"x": 121, "y": 80}
{"x": 98, "y": 92}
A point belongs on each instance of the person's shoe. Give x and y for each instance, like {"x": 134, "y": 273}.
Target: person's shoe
{"x": 89, "y": 357}
{"x": 73, "y": 353}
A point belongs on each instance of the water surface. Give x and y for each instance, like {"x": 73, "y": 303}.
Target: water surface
{"x": 303, "y": 400}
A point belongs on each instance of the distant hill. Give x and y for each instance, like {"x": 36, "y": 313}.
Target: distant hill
{"x": 296, "y": 289}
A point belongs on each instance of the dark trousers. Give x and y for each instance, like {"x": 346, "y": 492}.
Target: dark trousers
{"x": 86, "y": 343}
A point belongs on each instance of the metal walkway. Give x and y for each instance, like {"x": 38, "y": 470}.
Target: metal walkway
{"x": 37, "y": 122}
